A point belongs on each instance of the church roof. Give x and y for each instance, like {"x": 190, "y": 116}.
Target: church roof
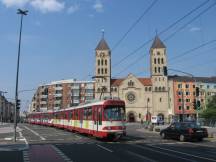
{"x": 144, "y": 81}
{"x": 158, "y": 43}
{"x": 102, "y": 45}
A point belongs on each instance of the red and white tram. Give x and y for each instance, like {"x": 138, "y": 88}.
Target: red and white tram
{"x": 103, "y": 119}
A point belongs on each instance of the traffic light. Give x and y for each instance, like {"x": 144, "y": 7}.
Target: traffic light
{"x": 197, "y": 91}
{"x": 194, "y": 104}
{"x": 17, "y": 104}
{"x": 165, "y": 70}
{"x": 198, "y": 104}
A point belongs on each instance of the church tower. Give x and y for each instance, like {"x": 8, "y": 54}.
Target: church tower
{"x": 158, "y": 62}
{"x": 102, "y": 69}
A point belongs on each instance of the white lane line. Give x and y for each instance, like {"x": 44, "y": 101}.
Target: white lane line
{"x": 104, "y": 148}
{"x": 183, "y": 153}
{"x": 164, "y": 153}
{"x": 25, "y": 140}
{"x": 140, "y": 156}
{"x": 60, "y": 153}
{"x": 42, "y": 138}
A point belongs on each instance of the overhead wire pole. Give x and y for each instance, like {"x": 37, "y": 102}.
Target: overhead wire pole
{"x": 22, "y": 13}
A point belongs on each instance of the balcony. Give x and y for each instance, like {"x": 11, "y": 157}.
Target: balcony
{"x": 57, "y": 95}
{"x": 43, "y": 96}
{"x": 43, "y": 102}
{"x": 57, "y": 102}
{"x": 58, "y": 88}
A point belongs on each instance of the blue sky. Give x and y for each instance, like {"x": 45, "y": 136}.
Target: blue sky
{"x": 59, "y": 38}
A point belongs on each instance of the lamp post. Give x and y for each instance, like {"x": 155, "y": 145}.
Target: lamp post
{"x": 22, "y": 13}
{"x": 148, "y": 114}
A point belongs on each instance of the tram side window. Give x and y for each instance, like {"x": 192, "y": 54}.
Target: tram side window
{"x": 89, "y": 113}
{"x": 76, "y": 114}
{"x": 85, "y": 113}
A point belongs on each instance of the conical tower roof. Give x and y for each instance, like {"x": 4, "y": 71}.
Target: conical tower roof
{"x": 102, "y": 45}
{"x": 158, "y": 43}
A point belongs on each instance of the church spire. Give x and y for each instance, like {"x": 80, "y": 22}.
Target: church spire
{"x": 157, "y": 43}
{"x": 102, "y": 45}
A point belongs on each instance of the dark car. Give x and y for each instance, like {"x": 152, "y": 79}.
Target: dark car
{"x": 184, "y": 131}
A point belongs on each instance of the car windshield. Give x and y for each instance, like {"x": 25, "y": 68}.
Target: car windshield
{"x": 190, "y": 125}
{"x": 114, "y": 113}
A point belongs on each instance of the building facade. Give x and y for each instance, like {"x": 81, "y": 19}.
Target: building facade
{"x": 6, "y": 110}
{"x": 62, "y": 94}
{"x": 145, "y": 97}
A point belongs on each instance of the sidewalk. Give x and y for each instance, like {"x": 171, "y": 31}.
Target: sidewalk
{"x": 7, "y": 138}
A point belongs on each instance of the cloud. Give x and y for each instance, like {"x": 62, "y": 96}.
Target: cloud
{"x": 42, "y": 5}
{"x": 47, "y": 5}
{"x": 98, "y": 6}
{"x": 73, "y": 8}
{"x": 195, "y": 29}
{"x": 16, "y": 3}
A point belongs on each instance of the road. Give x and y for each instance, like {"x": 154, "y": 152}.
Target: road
{"x": 56, "y": 145}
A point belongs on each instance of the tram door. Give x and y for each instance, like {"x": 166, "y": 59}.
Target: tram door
{"x": 97, "y": 118}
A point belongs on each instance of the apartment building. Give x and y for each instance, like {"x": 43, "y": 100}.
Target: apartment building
{"x": 62, "y": 94}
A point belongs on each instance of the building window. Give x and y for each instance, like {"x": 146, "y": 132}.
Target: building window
{"x": 98, "y": 71}
{"x": 105, "y": 62}
{"x": 102, "y": 62}
{"x": 146, "y": 89}
{"x": 188, "y": 107}
{"x": 179, "y": 107}
{"x": 130, "y": 83}
{"x": 160, "y": 99}
{"x": 159, "y": 70}
{"x": 98, "y": 62}
{"x": 162, "y": 61}
{"x": 179, "y": 85}
{"x": 194, "y": 86}
{"x": 102, "y": 71}
{"x": 158, "y": 53}
{"x": 158, "y": 60}
{"x": 187, "y": 100}
{"x": 105, "y": 70}
{"x": 179, "y": 100}
{"x": 208, "y": 86}
{"x": 202, "y": 100}
{"x": 159, "y": 88}
{"x": 155, "y": 61}
{"x": 156, "y": 89}
{"x": 186, "y": 85}
{"x": 179, "y": 92}
{"x": 149, "y": 89}
{"x": 155, "y": 69}
{"x": 163, "y": 89}
{"x": 187, "y": 93}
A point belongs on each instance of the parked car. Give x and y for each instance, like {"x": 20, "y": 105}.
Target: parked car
{"x": 184, "y": 131}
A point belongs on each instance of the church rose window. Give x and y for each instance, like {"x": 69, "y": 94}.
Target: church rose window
{"x": 130, "y": 97}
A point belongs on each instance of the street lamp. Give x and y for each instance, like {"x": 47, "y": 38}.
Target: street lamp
{"x": 22, "y": 13}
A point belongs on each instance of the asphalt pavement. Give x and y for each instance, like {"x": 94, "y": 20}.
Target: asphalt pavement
{"x": 41, "y": 144}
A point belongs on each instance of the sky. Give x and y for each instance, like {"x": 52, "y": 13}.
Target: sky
{"x": 59, "y": 39}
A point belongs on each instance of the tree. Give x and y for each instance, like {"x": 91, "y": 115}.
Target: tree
{"x": 210, "y": 111}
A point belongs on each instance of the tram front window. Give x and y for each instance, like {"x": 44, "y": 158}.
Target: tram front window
{"x": 114, "y": 113}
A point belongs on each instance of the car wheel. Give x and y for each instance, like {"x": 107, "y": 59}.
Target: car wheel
{"x": 163, "y": 135}
{"x": 182, "y": 138}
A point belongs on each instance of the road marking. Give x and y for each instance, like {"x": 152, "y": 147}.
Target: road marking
{"x": 60, "y": 153}
{"x": 140, "y": 156}
{"x": 104, "y": 148}
{"x": 42, "y": 138}
{"x": 164, "y": 153}
{"x": 23, "y": 138}
{"x": 183, "y": 153}
{"x": 199, "y": 144}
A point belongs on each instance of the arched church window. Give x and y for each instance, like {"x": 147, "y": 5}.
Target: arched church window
{"x": 163, "y": 88}
{"x": 149, "y": 89}
{"x": 102, "y": 71}
{"x": 98, "y": 62}
{"x": 160, "y": 99}
{"x": 159, "y": 88}
{"x": 159, "y": 69}
{"x": 102, "y": 61}
{"x": 155, "y": 69}
{"x": 155, "y": 61}
{"x": 98, "y": 71}
{"x": 105, "y": 70}
{"x": 156, "y": 88}
{"x": 105, "y": 62}
{"x": 162, "y": 61}
{"x": 146, "y": 89}
{"x": 158, "y": 60}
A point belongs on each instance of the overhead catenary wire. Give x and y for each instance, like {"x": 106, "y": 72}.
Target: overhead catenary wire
{"x": 134, "y": 24}
{"x": 204, "y": 11}
{"x": 161, "y": 32}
